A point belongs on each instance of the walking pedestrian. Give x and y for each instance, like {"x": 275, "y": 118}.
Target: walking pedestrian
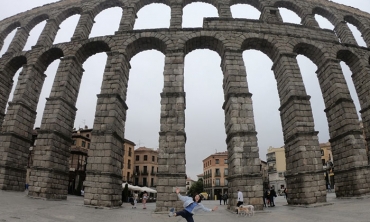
{"x": 240, "y": 198}
{"x": 225, "y": 197}
{"x": 191, "y": 205}
{"x": 272, "y": 196}
{"x": 135, "y": 197}
{"x": 145, "y": 197}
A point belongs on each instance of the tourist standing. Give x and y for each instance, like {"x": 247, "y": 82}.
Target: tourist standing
{"x": 145, "y": 197}
{"x": 225, "y": 197}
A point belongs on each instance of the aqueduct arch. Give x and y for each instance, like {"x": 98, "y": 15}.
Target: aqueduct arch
{"x": 225, "y": 35}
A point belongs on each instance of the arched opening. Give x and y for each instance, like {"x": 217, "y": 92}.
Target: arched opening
{"x": 9, "y": 81}
{"x": 34, "y": 35}
{"x": 143, "y": 98}
{"x": 204, "y": 116}
{"x": 324, "y": 23}
{"x": 10, "y": 33}
{"x": 106, "y": 22}
{"x": 153, "y": 16}
{"x": 15, "y": 82}
{"x": 194, "y": 13}
{"x": 258, "y": 67}
{"x": 312, "y": 86}
{"x": 245, "y": 11}
{"x": 67, "y": 28}
{"x": 355, "y": 26}
{"x": 289, "y": 16}
{"x": 90, "y": 87}
{"x": 46, "y": 89}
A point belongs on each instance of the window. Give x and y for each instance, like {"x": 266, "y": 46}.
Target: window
{"x": 129, "y": 151}
{"x": 87, "y": 135}
{"x": 225, "y": 161}
{"x": 322, "y": 152}
{"x": 144, "y": 182}
{"x": 129, "y": 164}
{"x": 217, "y": 172}
{"x": 226, "y": 171}
{"x": 323, "y": 162}
{"x": 152, "y": 169}
{"x": 88, "y": 145}
{"x": 217, "y": 182}
{"x": 74, "y": 142}
{"x": 145, "y": 157}
{"x": 137, "y": 169}
{"x": 83, "y": 144}
{"x": 153, "y": 158}
{"x": 152, "y": 182}
{"x": 145, "y": 169}
{"x": 217, "y": 161}
{"x": 137, "y": 158}
{"x": 226, "y": 182}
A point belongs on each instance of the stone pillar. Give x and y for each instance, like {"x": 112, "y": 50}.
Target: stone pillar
{"x": 172, "y": 137}
{"x": 16, "y": 136}
{"x": 128, "y": 19}
{"x": 103, "y": 184}
{"x": 224, "y": 10}
{"x": 344, "y": 33}
{"x": 244, "y": 162}
{"x": 6, "y": 84}
{"x": 271, "y": 14}
{"x": 84, "y": 26}
{"x": 50, "y": 171}
{"x": 309, "y": 20}
{"x": 305, "y": 174}
{"x": 351, "y": 163}
{"x": 176, "y": 16}
{"x": 19, "y": 40}
{"x": 48, "y": 33}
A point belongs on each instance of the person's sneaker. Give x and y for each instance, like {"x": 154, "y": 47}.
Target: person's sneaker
{"x": 171, "y": 212}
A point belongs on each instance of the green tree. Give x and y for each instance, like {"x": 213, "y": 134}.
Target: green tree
{"x": 196, "y": 188}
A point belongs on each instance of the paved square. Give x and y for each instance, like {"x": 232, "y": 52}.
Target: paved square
{"x": 16, "y": 206}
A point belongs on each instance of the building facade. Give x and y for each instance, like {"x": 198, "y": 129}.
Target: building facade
{"x": 276, "y": 164}
{"x": 327, "y": 163}
{"x": 128, "y": 161}
{"x": 146, "y": 167}
{"x": 189, "y": 183}
{"x": 78, "y": 159}
{"x": 215, "y": 172}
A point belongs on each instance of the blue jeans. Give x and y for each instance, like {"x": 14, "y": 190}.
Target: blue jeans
{"x": 185, "y": 214}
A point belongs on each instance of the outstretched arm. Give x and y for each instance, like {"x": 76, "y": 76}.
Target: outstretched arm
{"x": 208, "y": 209}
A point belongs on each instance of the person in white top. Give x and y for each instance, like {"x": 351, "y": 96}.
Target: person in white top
{"x": 240, "y": 198}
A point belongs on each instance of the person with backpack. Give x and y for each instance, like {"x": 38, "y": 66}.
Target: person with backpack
{"x": 225, "y": 197}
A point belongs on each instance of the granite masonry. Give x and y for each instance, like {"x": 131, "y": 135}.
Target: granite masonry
{"x": 227, "y": 36}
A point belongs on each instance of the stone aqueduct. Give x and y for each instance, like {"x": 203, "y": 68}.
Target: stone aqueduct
{"x": 229, "y": 38}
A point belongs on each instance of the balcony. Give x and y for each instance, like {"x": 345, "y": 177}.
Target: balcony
{"x": 217, "y": 174}
{"x": 144, "y": 173}
{"x": 153, "y": 173}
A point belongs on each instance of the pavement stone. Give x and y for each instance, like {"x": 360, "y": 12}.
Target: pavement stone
{"x": 16, "y": 206}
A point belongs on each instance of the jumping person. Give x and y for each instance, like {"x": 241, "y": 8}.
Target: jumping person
{"x": 191, "y": 205}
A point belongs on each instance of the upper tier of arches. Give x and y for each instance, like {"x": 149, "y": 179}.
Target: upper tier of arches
{"x": 58, "y": 12}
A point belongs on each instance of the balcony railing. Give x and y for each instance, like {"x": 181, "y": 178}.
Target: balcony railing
{"x": 217, "y": 174}
{"x": 153, "y": 173}
{"x": 144, "y": 172}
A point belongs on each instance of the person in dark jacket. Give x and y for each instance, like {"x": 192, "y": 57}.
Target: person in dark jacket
{"x": 272, "y": 196}
{"x": 225, "y": 197}
{"x": 219, "y": 196}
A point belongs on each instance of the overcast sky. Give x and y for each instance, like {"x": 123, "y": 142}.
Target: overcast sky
{"x": 203, "y": 80}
